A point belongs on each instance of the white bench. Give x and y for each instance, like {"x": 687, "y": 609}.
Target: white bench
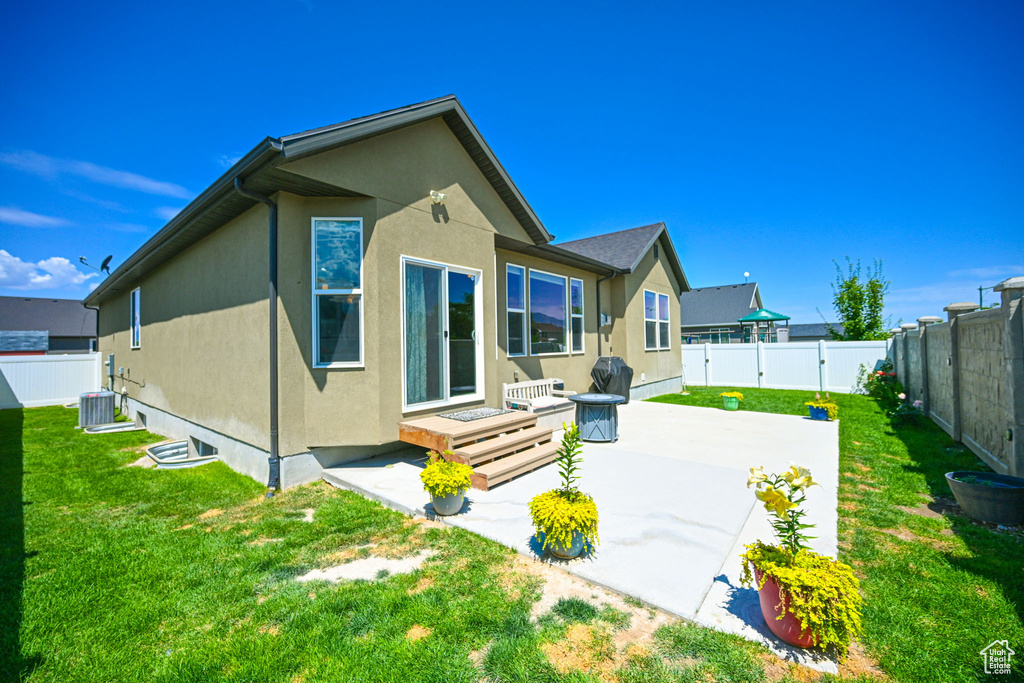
{"x": 536, "y": 396}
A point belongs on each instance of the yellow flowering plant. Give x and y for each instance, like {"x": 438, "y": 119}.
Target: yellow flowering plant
{"x": 560, "y": 513}
{"x": 732, "y": 394}
{"x": 827, "y": 404}
{"x": 442, "y": 477}
{"x": 782, "y": 495}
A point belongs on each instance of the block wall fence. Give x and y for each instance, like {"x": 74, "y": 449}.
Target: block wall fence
{"x": 969, "y": 373}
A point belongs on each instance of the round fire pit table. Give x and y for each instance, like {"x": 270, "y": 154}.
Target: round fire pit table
{"x": 597, "y": 416}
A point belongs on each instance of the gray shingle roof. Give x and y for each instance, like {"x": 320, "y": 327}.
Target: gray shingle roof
{"x": 718, "y": 305}
{"x": 812, "y": 329}
{"x": 621, "y": 250}
{"x": 59, "y": 317}
{"x": 23, "y": 341}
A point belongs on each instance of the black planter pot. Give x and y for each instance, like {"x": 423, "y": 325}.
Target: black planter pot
{"x": 1000, "y": 500}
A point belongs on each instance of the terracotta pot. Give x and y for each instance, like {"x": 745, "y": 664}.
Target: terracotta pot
{"x": 788, "y": 628}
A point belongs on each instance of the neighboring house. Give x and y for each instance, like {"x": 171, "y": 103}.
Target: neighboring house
{"x": 413, "y": 278}
{"x": 35, "y": 325}
{"x": 711, "y": 314}
{"x": 806, "y": 332}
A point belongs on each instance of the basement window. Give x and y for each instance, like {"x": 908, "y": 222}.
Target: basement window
{"x": 201, "y": 449}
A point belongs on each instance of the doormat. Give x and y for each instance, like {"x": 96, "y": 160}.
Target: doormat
{"x": 475, "y": 414}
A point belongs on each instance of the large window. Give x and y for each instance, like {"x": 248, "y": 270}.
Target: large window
{"x": 337, "y": 292}
{"x": 515, "y": 294}
{"x": 548, "y": 315}
{"x": 135, "y": 318}
{"x": 656, "y": 321}
{"x": 576, "y": 313}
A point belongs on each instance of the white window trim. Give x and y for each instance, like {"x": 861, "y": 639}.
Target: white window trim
{"x": 568, "y": 318}
{"x": 134, "y": 311}
{"x": 524, "y": 311}
{"x": 581, "y": 315}
{"x": 314, "y": 293}
{"x": 650, "y": 320}
{"x": 478, "y": 307}
{"x": 667, "y": 320}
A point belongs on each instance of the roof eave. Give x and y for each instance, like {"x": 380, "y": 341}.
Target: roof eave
{"x": 261, "y": 155}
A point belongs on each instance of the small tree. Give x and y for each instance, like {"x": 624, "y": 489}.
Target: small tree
{"x": 859, "y": 302}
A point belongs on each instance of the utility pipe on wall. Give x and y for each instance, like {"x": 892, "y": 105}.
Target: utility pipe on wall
{"x": 275, "y": 457}
{"x": 599, "y": 325}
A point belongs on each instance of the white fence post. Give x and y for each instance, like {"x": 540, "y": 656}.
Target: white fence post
{"x": 822, "y": 366}
{"x": 707, "y": 365}
{"x": 760, "y": 365}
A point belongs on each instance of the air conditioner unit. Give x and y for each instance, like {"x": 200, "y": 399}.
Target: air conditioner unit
{"x": 95, "y": 408}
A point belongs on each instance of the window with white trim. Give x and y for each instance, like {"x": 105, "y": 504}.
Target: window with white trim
{"x": 576, "y": 314}
{"x": 656, "y": 321}
{"x": 515, "y": 305}
{"x": 337, "y": 292}
{"x": 549, "y": 319}
{"x": 135, "y": 317}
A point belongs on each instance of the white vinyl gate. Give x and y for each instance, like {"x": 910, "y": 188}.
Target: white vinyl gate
{"x": 812, "y": 366}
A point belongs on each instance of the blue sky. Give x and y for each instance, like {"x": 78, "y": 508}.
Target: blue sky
{"x": 770, "y": 137}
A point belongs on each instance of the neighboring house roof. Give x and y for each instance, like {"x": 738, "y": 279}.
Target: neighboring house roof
{"x": 812, "y": 329}
{"x": 723, "y": 305}
{"x": 13, "y": 341}
{"x": 58, "y": 317}
{"x": 762, "y": 315}
{"x": 624, "y": 249}
{"x": 259, "y": 171}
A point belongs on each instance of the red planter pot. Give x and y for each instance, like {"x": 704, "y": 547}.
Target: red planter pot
{"x": 788, "y": 628}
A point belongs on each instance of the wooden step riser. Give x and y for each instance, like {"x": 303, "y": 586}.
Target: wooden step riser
{"x": 485, "y": 451}
{"x": 484, "y": 481}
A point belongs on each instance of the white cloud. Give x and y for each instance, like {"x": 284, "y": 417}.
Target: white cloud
{"x": 55, "y": 272}
{"x": 228, "y": 160}
{"x": 167, "y": 212}
{"x": 27, "y": 219}
{"x": 129, "y": 227}
{"x": 49, "y": 167}
{"x": 997, "y": 273}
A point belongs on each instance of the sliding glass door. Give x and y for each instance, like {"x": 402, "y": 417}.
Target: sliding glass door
{"x": 442, "y": 329}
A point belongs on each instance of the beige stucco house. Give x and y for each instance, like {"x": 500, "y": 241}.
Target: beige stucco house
{"x": 401, "y": 272}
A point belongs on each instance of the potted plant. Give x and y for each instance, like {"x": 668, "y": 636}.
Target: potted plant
{"x": 823, "y": 408}
{"x": 565, "y": 518}
{"x": 731, "y": 400}
{"x": 806, "y": 599}
{"x": 989, "y": 497}
{"x": 446, "y": 482}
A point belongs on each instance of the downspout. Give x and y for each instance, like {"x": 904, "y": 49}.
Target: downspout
{"x": 275, "y": 458}
{"x": 110, "y": 371}
{"x": 599, "y": 326}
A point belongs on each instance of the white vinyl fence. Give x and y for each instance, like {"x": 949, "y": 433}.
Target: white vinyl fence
{"x": 814, "y": 366}
{"x": 28, "y": 381}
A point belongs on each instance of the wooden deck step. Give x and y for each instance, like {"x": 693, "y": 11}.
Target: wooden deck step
{"x": 439, "y": 433}
{"x": 483, "y": 451}
{"x": 503, "y": 469}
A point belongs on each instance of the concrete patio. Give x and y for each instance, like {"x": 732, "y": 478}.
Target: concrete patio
{"x": 674, "y": 508}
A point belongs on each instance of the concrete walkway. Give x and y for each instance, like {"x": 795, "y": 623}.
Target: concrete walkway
{"x": 674, "y": 508}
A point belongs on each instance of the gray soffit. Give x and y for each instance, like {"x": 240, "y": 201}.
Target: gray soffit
{"x": 623, "y": 250}
{"x": 58, "y": 317}
{"x": 723, "y": 305}
{"x": 219, "y": 203}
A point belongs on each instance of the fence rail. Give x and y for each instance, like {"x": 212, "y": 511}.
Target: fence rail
{"x": 30, "y": 381}
{"x": 812, "y": 366}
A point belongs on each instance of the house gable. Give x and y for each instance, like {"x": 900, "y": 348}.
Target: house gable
{"x": 401, "y": 167}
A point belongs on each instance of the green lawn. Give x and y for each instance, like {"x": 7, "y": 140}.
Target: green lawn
{"x": 938, "y": 588}
{"x": 114, "y": 573}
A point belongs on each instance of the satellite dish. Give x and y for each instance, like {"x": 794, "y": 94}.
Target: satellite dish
{"x": 105, "y": 266}
{"x": 746, "y": 274}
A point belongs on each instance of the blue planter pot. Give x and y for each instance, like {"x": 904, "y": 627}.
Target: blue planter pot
{"x": 560, "y": 551}
{"x": 818, "y": 413}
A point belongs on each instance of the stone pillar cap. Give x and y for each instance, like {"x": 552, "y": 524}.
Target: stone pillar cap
{"x": 928, "y": 320}
{"x": 895, "y": 330}
{"x": 962, "y": 307}
{"x": 1010, "y": 283}
{"x": 908, "y": 326}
